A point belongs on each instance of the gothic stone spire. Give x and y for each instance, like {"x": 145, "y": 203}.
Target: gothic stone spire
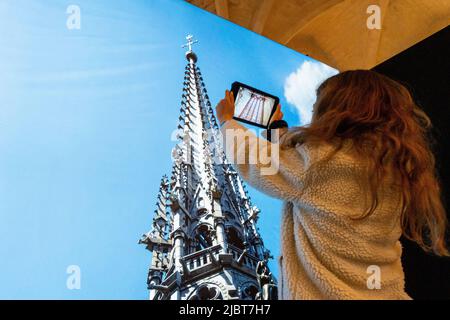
{"x": 204, "y": 240}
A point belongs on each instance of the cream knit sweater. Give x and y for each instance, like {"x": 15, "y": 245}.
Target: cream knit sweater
{"x": 325, "y": 253}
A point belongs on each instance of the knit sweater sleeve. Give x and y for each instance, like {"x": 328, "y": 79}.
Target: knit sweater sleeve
{"x": 264, "y": 165}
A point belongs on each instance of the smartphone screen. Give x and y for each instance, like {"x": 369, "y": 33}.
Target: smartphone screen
{"x": 253, "y": 106}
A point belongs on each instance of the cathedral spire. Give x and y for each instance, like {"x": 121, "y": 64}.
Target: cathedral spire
{"x": 204, "y": 240}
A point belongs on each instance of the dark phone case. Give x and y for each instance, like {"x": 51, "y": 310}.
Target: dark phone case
{"x": 235, "y": 89}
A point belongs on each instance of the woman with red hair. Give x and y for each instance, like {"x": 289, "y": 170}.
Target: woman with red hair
{"x": 353, "y": 181}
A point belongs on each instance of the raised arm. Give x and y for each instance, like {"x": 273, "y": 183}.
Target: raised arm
{"x": 264, "y": 165}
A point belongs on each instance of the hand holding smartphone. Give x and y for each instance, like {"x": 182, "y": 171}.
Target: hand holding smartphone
{"x": 253, "y": 106}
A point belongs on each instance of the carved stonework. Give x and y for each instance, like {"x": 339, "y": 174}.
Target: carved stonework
{"x": 204, "y": 241}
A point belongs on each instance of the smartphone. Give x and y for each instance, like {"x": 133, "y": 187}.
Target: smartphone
{"x": 253, "y": 106}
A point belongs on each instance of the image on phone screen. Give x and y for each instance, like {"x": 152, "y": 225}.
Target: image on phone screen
{"x": 253, "y": 107}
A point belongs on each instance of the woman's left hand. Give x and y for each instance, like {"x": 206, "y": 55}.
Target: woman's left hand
{"x": 225, "y": 108}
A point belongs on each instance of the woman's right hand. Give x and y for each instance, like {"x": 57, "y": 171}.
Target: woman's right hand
{"x": 278, "y": 115}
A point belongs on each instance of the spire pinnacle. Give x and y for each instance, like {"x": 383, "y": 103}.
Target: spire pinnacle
{"x": 190, "y": 42}
{"x": 190, "y": 55}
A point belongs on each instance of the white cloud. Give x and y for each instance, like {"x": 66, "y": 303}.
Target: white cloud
{"x": 300, "y": 87}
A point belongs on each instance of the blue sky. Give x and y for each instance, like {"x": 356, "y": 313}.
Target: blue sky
{"x": 86, "y": 118}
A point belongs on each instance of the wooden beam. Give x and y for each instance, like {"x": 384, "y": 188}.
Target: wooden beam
{"x": 309, "y": 11}
{"x": 222, "y": 8}
{"x": 374, "y": 37}
{"x": 261, "y": 15}
{"x": 209, "y": 6}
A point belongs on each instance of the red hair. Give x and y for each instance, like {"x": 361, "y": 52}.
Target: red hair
{"x": 372, "y": 110}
